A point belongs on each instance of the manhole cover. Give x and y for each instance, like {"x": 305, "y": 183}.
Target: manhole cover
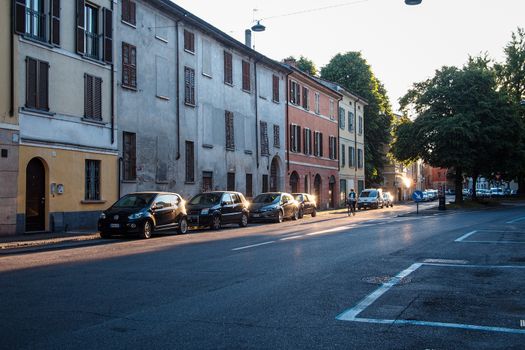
{"x": 385, "y": 279}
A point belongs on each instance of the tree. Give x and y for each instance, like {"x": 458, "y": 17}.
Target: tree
{"x": 351, "y": 71}
{"x": 464, "y": 122}
{"x": 304, "y": 64}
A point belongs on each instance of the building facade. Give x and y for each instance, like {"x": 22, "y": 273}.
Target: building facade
{"x": 67, "y": 116}
{"x": 312, "y": 159}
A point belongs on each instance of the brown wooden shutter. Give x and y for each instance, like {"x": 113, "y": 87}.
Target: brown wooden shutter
{"x": 97, "y": 98}
{"x": 20, "y": 16}
{"x": 228, "y": 68}
{"x": 125, "y": 64}
{"x": 292, "y": 138}
{"x": 88, "y": 96}
{"x": 43, "y": 85}
{"x": 298, "y": 139}
{"x": 125, "y": 10}
{"x": 320, "y": 144}
{"x": 275, "y": 88}
{"x": 246, "y": 76}
{"x": 132, "y": 12}
{"x": 305, "y": 141}
{"x": 133, "y": 66}
{"x": 108, "y": 35}
{"x": 31, "y": 82}
{"x": 55, "y": 22}
{"x": 310, "y": 148}
{"x": 80, "y": 31}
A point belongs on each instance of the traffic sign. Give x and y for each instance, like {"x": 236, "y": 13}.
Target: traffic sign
{"x": 417, "y": 196}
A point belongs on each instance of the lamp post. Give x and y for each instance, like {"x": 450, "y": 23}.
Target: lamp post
{"x": 413, "y": 2}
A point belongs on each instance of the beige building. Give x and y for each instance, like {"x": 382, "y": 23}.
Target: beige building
{"x": 64, "y": 102}
{"x": 397, "y": 178}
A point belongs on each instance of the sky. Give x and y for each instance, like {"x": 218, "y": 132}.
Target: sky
{"x": 403, "y": 44}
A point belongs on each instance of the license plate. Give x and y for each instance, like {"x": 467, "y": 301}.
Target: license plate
{"x": 256, "y": 215}
{"x": 114, "y": 225}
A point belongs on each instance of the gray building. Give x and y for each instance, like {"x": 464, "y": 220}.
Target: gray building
{"x": 198, "y": 110}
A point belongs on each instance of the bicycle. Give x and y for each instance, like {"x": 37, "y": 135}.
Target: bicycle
{"x": 351, "y": 208}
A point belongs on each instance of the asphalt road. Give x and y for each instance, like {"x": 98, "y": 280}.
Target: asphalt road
{"x": 376, "y": 280}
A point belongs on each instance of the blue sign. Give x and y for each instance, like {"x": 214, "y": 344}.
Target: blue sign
{"x": 417, "y": 196}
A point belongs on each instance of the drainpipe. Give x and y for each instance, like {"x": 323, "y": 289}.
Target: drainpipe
{"x": 355, "y": 145}
{"x": 177, "y": 92}
{"x": 113, "y": 87}
{"x": 12, "y": 63}
{"x": 256, "y": 115}
{"x": 287, "y": 126}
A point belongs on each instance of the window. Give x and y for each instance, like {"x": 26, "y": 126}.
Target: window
{"x": 129, "y": 155}
{"x": 230, "y": 136}
{"x": 343, "y": 160}
{"x": 332, "y": 147}
{"x": 306, "y": 105}
{"x": 230, "y": 185}
{"x": 190, "y": 162}
{"x": 360, "y": 125}
{"x": 246, "y": 76}
{"x": 318, "y": 144}
{"x": 94, "y": 38}
{"x": 265, "y": 148}
{"x": 276, "y": 136}
{"x": 295, "y": 93}
{"x": 317, "y": 103}
{"x": 351, "y": 157}
{"x": 92, "y": 180}
{"x": 34, "y": 20}
{"x": 92, "y": 97}
{"x": 295, "y": 138}
{"x": 350, "y": 121}
{"x": 307, "y": 141}
{"x": 249, "y": 185}
{"x": 189, "y": 41}
{"x": 162, "y": 68}
{"x": 227, "y": 199}
{"x": 37, "y": 84}
{"x": 206, "y": 58}
{"x": 228, "y": 68}
{"x": 332, "y": 107}
{"x": 359, "y": 158}
{"x": 35, "y": 26}
{"x": 275, "y": 88}
{"x": 189, "y": 86}
{"x": 207, "y": 181}
{"x": 265, "y": 183}
{"x": 92, "y": 47}
{"x": 129, "y": 66}
{"x": 129, "y": 11}
{"x": 341, "y": 118}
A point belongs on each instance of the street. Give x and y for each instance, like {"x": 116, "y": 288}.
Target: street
{"x": 384, "y": 279}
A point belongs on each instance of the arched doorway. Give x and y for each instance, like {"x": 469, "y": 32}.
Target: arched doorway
{"x": 317, "y": 189}
{"x": 294, "y": 182}
{"x": 306, "y": 190}
{"x": 35, "y": 219}
{"x": 274, "y": 175}
{"x": 331, "y": 191}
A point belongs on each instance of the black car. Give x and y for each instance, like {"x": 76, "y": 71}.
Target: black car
{"x": 215, "y": 209}
{"x": 307, "y": 204}
{"x": 274, "y": 206}
{"x": 143, "y": 213}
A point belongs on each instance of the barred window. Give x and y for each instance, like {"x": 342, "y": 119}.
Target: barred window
{"x": 265, "y": 148}
{"x": 276, "y": 136}
{"x": 92, "y": 190}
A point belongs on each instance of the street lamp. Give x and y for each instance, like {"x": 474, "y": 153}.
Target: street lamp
{"x": 413, "y": 2}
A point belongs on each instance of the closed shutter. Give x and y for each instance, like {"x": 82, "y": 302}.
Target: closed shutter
{"x": 310, "y": 141}
{"x": 108, "y": 35}
{"x": 275, "y": 88}
{"x": 80, "y": 32}
{"x": 43, "y": 86}
{"x": 132, "y": 12}
{"x": 133, "y": 66}
{"x": 320, "y": 144}
{"x": 88, "y": 96}
{"x": 31, "y": 83}
{"x": 20, "y": 16}
{"x": 97, "y": 98}
{"x": 292, "y": 139}
{"x": 305, "y": 141}
{"x": 230, "y": 136}
{"x": 55, "y": 22}
{"x": 246, "y": 76}
{"x": 298, "y": 138}
{"x": 125, "y": 65}
{"x": 228, "y": 73}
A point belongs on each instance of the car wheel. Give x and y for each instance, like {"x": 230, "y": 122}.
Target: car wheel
{"x": 216, "y": 223}
{"x": 105, "y": 235}
{"x": 301, "y": 213}
{"x": 314, "y": 213}
{"x": 183, "y": 226}
{"x": 295, "y": 214}
{"x": 280, "y": 217}
{"x": 147, "y": 230}
{"x": 244, "y": 220}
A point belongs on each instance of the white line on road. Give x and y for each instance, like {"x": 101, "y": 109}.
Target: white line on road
{"x": 291, "y": 237}
{"x": 253, "y": 245}
{"x": 516, "y": 220}
{"x": 460, "y": 239}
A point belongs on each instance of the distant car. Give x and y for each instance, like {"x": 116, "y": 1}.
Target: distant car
{"x": 370, "y": 198}
{"x": 274, "y": 206}
{"x": 144, "y": 213}
{"x": 218, "y": 208}
{"x": 496, "y": 192}
{"x": 307, "y": 204}
{"x": 388, "y": 200}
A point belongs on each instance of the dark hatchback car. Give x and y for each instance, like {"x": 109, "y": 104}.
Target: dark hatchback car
{"x": 215, "y": 209}
{"x": 274, "y": 206}
{"x": 307, "y": 204}
{"x": 143, "y": 213}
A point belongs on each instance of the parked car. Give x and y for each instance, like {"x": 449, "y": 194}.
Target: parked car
{"x": 275, "y": 206}
{"x": 215, "y": 209}
{"x": 496, "y": 192}
{"x": 388, "y": 200}
{"x": 144, "y": 213}
{"x": 307, "y": 204}
{"x": 370, "y": 198}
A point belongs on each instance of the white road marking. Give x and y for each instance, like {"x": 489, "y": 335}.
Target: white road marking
{"x": 291, "y": 237}
{"x": 335, "y": 229}
{"x": 460, "y": 239}
{"x": 516, "y": 220}
{"x": 253, "y": 245}
{"x": 445, "y": 261}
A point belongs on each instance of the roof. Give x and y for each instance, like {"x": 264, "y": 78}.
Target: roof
{"x": 340, "y": 89}
{"x": 311, "y": 78}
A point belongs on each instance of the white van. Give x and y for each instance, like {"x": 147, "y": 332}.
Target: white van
{"x": 370, "y": 198}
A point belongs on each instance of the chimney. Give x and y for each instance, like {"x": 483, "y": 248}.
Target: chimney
{"x": 290, "y": 61}
{"x": 248, "y": 38}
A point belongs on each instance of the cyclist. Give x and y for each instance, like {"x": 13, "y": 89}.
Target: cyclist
{"x": 351, "y": 201}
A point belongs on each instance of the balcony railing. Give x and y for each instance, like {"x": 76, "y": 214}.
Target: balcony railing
{"x": 35, "y": 24}
{"x": 93, "y": 42}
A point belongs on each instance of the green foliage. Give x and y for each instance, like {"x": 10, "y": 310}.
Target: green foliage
{"x": 352, "y": 72}
{"x": 304, "y": 64}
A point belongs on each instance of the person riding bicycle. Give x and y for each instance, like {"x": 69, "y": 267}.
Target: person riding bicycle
{"x": 352, "y": 199}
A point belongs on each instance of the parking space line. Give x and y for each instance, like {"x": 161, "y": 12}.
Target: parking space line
{"x": 460, "y": 239}
{"x": 253, "y": 245}
{"x": 516, "y": 220}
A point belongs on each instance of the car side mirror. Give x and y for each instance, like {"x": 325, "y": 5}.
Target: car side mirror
{"x": 223, "y": 204}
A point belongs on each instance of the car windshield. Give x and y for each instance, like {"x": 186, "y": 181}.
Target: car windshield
{"x": 206, "y": 199}
{"x": 298, "y": 197}
{"x": 266, "y": 198}
{"x": 137, "y": 200}
{"x": 368, "y": 194}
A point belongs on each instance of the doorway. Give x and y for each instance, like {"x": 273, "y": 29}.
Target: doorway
{"x": 35, "y": 196}
{"x": 317, "y": 190}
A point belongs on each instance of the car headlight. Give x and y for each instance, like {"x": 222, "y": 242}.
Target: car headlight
{"x": 205, "y": 211}
{"x": 136, "y": 215}
{"x": 102, "y": 216}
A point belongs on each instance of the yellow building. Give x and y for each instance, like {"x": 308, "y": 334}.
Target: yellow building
{"x": 68, "y": 156}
